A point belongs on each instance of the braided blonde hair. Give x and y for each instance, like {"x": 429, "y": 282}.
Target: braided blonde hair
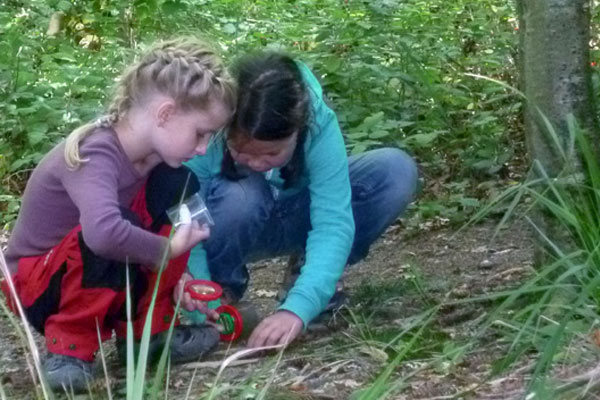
{"x": 184, "y": 69}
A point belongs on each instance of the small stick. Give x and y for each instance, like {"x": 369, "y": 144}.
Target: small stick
{"x": 217, "y": 364}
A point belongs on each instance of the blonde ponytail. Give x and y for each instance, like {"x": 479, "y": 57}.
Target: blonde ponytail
{"x": 72, "y": 156}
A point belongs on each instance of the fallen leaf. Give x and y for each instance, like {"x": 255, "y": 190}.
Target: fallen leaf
{"x": 480, "y": 249}
{"x": 596, "y": 337}
{"x": 351, "y": 383}
{"x": 374, "y": 353}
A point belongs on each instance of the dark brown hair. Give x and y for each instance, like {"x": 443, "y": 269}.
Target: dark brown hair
{"x": 272, "y": 104}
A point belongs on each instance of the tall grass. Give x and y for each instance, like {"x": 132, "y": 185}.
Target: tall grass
{"x": 136, "y": 378}
{"x": 137, "y": 385}
{"x": 384, "y": 385}
{"x": 136, "y": 369}
{"x": 26, "y": 336}
{"x": 560, "y": 302}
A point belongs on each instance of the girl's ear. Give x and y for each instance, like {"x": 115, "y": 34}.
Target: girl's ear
{"x": 164, "y": 112}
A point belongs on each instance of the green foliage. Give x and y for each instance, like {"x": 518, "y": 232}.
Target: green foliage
{"x": 393, "y": 70}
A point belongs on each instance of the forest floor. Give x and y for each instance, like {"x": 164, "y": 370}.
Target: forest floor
{"x": 404, "y": 274}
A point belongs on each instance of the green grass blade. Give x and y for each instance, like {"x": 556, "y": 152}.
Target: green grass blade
{"x": 162, "y": 363}
{"x": 103, "y": 358}
{"x": 498, "y": 82}
{"x": 27, "y": 336}
{"x": 142, "y": 361}
{"x": 381, "y": 385}
{"x": 130, "y": 342}
{"x": 551, "y": 133}
{"x": 190, "y": 385}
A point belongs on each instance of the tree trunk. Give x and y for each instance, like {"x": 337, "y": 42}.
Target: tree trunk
{"x": 556, "y": 79}
{"x": 556, "y": 72}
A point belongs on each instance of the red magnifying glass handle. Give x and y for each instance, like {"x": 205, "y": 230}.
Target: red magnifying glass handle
{"x": 236, "y": 319}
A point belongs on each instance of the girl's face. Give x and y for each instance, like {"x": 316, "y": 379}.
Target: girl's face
{"x": 262, "y": 155}
{"x": 184, "y": 135}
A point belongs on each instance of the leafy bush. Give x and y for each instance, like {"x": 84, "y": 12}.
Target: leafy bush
{"x": 394, "y": 71}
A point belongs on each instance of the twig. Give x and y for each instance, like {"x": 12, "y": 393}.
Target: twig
{"x": 513, "y": 395}
{"x": 217, "y": 364}
{"x": 513, "y": 375}
{"x": 334, "y": 367}
{"x": 590, "y": 378}
{"x": 508, "y": 272}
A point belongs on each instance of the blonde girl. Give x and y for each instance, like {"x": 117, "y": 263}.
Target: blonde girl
{"x": 97, "y": 202}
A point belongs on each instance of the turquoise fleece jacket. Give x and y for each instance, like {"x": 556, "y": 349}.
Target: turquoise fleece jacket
{"x": 326, "y": 175}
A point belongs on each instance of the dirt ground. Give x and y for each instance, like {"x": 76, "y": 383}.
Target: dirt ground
{"x": 324, "y": 364}
{"x": 452, "y": 265}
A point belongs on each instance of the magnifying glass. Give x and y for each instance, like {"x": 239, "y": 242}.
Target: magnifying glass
{"x": 229, "y": 317}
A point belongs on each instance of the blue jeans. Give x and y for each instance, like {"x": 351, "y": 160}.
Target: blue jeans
{"x": 250, "y": 224}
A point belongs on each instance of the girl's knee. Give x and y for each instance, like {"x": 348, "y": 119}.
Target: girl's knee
{"x": 397, "y": 172}
{"x": 384, "y": 182}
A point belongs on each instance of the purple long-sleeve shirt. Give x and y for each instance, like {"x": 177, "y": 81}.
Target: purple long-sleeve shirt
{"x": 57, "y": 199}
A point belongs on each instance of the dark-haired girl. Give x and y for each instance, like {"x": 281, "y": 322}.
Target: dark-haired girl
{"x": 279, "y": 182}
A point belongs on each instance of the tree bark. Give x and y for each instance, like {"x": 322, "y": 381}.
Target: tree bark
{"x": 556, "y": 73}
{"x": 556, "y": 79}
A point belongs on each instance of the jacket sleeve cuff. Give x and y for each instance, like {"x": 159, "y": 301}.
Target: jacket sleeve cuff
{"x": 197, "y": 265}
{"x": 301, "y": 306}
{"x": 198, "y": 268}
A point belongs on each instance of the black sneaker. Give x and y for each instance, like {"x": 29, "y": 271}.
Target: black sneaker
{"x": 292, "y": 272}
{"x": 191, "y": 342}
{"x": 229, "y": 297}
{"x": 66, "y": 373}
{"x": 188, "y": 343}
{"x": 338, "y": 300}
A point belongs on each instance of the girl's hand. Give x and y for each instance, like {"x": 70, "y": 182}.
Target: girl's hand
{"x": 189, "y": 304}
{"x": 280, "y": 328}
{"x": 188, "y": 235}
